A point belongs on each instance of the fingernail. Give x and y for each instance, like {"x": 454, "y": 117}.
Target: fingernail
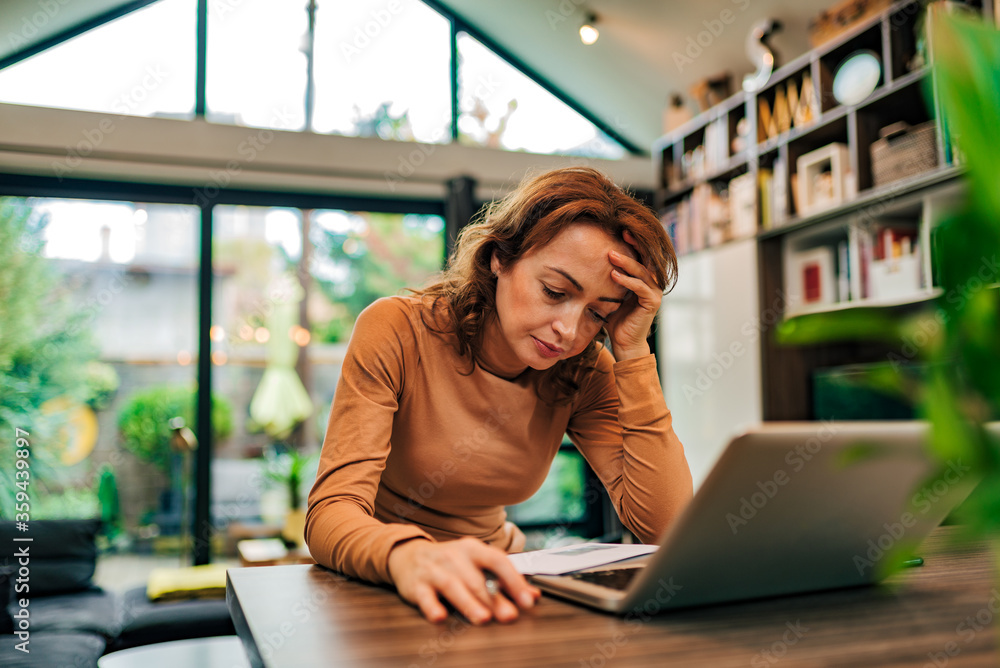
{"x": 527, "y": 600}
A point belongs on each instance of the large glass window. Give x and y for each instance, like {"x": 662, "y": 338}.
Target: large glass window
{"x": 382, "y": 70}
{"x": 289, "y": 285}
{"x": 256, "y": 68}
{"x": 500, "y": 107}
{"x": 99, "y": 322}
{"x": 142, "y": 64}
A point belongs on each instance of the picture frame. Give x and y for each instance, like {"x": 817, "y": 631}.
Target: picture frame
{"x": 812, "y": 278}
{"x": 821, "y": 178}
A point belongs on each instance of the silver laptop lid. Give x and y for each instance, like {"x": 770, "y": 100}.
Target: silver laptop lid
{"x": 794, "y": 507}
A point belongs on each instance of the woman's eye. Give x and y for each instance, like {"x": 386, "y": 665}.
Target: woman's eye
{"x": 552, "y": 294}
{"x": 598, "y": 317}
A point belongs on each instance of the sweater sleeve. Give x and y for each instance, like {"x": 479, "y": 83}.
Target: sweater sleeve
{"x": 341, "y": 530}
{"x": 622, "y": 426}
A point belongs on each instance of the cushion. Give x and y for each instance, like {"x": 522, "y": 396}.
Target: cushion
{"x": 6, "y": 622}
{"x": 49, "y": 650}
{"x": 144, "y": 622}
{"x": 93, "y": 611}
{"x": 63, "y": 553}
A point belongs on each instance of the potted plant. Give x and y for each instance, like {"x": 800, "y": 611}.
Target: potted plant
{"x": 290, "y": 468}
{"x": 144, "y": 423}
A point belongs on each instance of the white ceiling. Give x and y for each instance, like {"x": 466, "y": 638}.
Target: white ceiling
{"x": 626, "y": 77}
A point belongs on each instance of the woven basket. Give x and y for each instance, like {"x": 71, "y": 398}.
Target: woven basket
{"x": 902, "y": 151}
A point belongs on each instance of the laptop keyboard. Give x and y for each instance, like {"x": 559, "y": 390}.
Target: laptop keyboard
{"x": 618, "y": 578}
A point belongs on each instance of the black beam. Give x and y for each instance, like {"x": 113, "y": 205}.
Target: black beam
{"x": 201, "y": 60}
{"x": 73, "y": 31}
{"x": 201, "y": 552}
{"x": 459, "y": 209}
{"x": 453, "y": 76}
{"x": 22, "y": 185}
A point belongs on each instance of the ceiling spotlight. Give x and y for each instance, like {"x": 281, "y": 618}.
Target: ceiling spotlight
{"x": 588, "y": 31}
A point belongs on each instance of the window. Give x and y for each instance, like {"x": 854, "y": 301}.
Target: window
{"x": 97, "y": 356}
{"x": 382, "y": 70}
{"x": 256, "y": 67}
{"x": 142, "y": 64}
{"x": 502, "y": 108}
{"x": 279, "y": 334}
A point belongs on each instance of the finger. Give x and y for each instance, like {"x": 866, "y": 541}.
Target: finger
{"x": 476, "y": 581}
{"x": 632, "y": 241}
{"x": 630, "y": 265}
{"x": 644, "y": 292}
{"x": 503, "y": 610}
{"x": 427, "y": 600}
{"x": 510, "y": 579}
{"x": 458, "y": 594}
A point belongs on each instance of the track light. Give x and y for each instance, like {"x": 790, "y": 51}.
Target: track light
{"x": 588, "y": 31}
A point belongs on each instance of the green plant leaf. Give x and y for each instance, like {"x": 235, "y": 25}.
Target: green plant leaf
{"x": 846, "y": 325}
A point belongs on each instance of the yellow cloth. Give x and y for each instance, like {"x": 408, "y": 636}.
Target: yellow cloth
{"x": 174, "y": 584}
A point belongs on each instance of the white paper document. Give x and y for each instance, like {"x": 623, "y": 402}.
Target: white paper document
{"x": 569, "y": 558}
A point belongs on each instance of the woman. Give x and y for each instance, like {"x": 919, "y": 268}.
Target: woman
{"x": 452, "y": 403}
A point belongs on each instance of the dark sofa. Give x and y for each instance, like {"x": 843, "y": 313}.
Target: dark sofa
{"x": 67, "y": 620}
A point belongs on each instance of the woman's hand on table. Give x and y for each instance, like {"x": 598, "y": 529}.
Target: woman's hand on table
{"x": 457, "y": 571}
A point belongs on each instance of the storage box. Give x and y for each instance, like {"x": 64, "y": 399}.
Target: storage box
{"x": 902, "y": 151}
{"x": 894, "y": 278}
{"x": 841, "y": 17}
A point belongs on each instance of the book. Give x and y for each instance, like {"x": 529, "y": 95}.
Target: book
{"x": 743, "y": 206}
{"x": 765, "y": 184}
{"x": 843, "y": 273}
{"x": 779, "y": 194}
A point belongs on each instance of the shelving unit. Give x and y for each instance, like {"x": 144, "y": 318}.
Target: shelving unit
{"x": 867, "y": 244}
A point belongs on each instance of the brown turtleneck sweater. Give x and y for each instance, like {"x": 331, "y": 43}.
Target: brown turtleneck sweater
{"x": 414, "y": 448}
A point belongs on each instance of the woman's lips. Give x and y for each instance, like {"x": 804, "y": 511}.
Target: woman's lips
{"x": 545, "y": 350}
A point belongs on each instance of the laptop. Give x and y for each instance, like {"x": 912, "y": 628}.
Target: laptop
{"x": 789, "y": 507}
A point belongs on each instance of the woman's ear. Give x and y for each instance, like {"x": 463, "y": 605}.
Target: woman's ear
{"x": 495, "y": 265}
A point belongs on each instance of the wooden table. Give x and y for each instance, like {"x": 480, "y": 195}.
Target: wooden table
{"x": 940, "y": 614}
